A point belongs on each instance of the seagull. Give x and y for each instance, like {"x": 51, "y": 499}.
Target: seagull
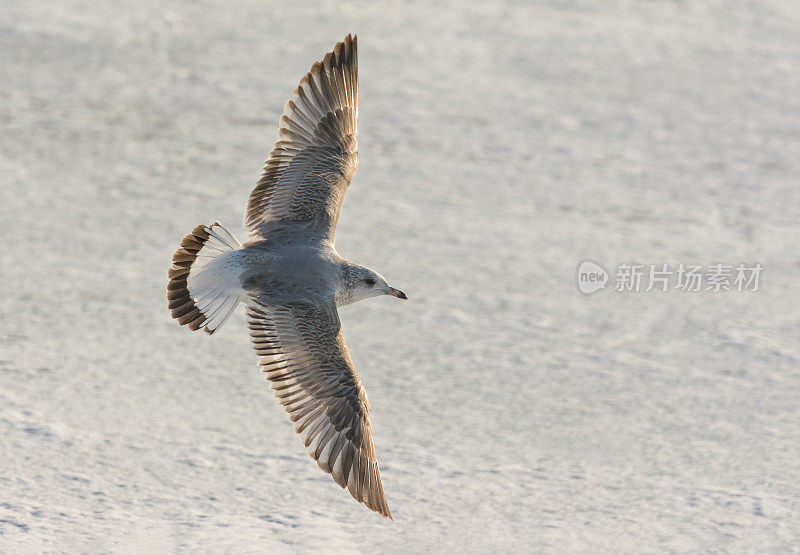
{"x": 291, "y": 279}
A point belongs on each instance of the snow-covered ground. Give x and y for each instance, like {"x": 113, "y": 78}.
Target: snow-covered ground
{"x": 500, "y": 145}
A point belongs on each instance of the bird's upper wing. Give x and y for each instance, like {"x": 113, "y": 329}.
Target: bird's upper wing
{"x": 303, "y": 351}
{"x": 311, "y": 165}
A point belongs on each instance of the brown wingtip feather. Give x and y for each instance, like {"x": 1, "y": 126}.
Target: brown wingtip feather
{"x": 369, "y": 490}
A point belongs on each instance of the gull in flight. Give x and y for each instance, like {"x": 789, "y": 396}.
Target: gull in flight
{"x": 291, "y": 279}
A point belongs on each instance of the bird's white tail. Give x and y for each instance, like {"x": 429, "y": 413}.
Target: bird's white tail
{"x": 203, "y": 288}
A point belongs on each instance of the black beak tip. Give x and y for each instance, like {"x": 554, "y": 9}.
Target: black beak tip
{"x": 397, "y": 293}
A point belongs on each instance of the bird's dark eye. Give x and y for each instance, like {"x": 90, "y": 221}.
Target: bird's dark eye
{"x": 369, "y": 281}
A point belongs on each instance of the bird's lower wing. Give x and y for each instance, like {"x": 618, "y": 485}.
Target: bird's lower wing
{"x": 304, "y": 354}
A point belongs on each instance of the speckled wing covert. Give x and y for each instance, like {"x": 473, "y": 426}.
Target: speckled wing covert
{"x": 303, "y": 351}
{"x": 311, "y": 165}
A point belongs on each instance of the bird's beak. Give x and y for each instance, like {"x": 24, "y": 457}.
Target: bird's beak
{"x": 397, "y": 293}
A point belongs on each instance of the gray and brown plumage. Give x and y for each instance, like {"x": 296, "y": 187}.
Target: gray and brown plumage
{"x": 291, "y": 279}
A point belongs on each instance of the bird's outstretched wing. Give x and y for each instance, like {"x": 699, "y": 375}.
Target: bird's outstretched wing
{"x": 311, "y": 165}
{"x": 303, "y": 351}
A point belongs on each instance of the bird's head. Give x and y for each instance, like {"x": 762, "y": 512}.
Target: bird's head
{"x": 363, "y": 283}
